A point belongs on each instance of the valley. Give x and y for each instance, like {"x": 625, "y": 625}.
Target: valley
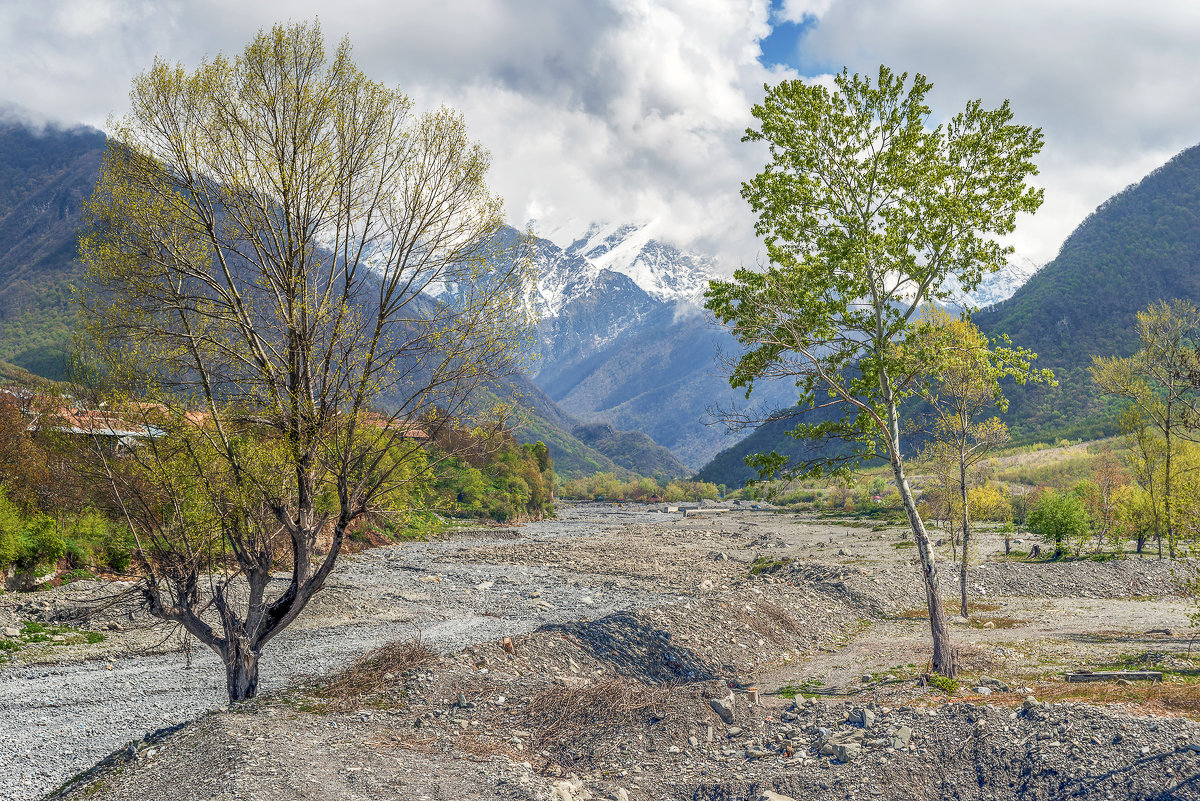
{"x": 683, "y": 611}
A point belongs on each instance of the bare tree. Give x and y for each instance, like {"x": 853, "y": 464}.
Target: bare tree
{"x": 278, "y": 250}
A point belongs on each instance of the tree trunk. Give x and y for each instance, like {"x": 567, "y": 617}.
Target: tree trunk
{"x": 943, "y": 653}
{"x": 1167, "y": 488}
{"x": 966, "y": 534}
{"x": 1141, "y": 543}
{"x": 241, "y": 669}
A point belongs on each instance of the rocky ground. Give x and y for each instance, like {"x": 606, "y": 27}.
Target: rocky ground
{"x": 620, "y": 653}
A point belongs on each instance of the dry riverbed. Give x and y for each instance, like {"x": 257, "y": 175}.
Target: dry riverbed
{"x": 611, "y": 654}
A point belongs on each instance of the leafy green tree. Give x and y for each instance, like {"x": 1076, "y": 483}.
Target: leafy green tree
{"x": 1155, "y": 380}
{"x": 1059, "y": 518}
{"x": 260, "y": 248}
{"x": 867, "y": 212}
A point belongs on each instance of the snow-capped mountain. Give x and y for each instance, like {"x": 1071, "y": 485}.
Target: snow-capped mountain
{"x": 622, "y": 341}
{"x": 662, "y": 271}
{"x": 998, "y": 286}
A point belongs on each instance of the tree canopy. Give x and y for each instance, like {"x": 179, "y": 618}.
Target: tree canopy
{"x": 268, "y": 252}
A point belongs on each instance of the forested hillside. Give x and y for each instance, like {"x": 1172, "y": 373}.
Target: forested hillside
{"x": 1141, "y": 245}
{"x": 44, "y": 178}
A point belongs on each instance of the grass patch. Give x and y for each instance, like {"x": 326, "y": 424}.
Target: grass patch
{"x": 806, "y": 689}
{"x": 1174, "y": 697}
{"x": 944, "y": 683}
{"x": 765, "y": 564}
{"x": 922, "y": 613}
{"x": 34, "y": 633}
{"x": 904, "y": 544}
{"x": 78, "y": 574}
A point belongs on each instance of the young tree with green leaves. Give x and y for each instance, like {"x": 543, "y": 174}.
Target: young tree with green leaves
{"x": 866, "y": 212}
{"x": 962, "y": 383}
{"x": 264, "y": 249}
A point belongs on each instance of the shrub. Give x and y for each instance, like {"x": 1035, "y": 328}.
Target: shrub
{"x": 11, "y": 524}
{"x": 1058, "y": 518}
{"x": 77, "y": 554}
{"x": 944, "y": 683}
{"x": 41, "y": 543}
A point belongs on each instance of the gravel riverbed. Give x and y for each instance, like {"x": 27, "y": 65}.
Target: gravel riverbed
{"x": 588, "y": 657}
{"x": 58, "y": 719}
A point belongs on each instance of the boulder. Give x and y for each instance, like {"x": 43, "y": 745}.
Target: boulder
{"x": 901, "y": 737}
{"x": 723, "y": 707}
{"x": 861, "y": 716}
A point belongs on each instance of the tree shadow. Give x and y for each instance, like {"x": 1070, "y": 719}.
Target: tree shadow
{"x": 636, "y": 650}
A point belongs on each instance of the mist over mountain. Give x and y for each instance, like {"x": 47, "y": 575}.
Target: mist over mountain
{"x": 46, "y": 173}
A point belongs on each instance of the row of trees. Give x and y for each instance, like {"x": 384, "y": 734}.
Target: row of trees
{"x": 610, "y": 487}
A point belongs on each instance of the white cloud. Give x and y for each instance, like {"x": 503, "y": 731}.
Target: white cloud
{"x": 798, "y": 10}
{"x": 633, "y": 109}
{"x": 1111, "y": 84}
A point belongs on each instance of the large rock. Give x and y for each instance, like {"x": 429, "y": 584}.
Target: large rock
{"x": 846, "y": 752}
{"x": 723, "y": 707}
{"x": 861, "y": 716}
{"x": 830, "y": 742}
{"x": 771, "y": 795}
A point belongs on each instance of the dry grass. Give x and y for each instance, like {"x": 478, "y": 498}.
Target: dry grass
{"x": 375, "y": 672}
{"x": 779, "y": 616}
{"x": 578, "y": 726}
{"x": 770, "y": 621}
{"x": 951, "y": 609}
{"x": 997, "y": 622}
{"x": 1165, "y": 698}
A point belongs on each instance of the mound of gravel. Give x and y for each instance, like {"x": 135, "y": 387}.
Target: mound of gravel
{"x": 1123, "y": 578}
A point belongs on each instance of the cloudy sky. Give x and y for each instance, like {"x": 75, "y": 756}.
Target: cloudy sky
{"x": 633, "y": 109}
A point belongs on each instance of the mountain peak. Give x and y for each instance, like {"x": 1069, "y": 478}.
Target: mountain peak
{"x": 663, "y": 271}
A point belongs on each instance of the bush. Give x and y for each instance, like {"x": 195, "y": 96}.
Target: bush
{"x": 41, "y": 544}
{"x": 11, "y": 524}
{"x": 1059, "y": 518}
{"x": 77, "y": 554}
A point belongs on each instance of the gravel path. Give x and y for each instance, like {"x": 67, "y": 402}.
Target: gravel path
{"x": 60, "y": 719}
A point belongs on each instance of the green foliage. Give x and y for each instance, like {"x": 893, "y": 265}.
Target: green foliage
{"x": 854, "y": 209}
{"x": 516, "y": 482}
{"x": 765, "y": 564}
{"x": 1059, "y": 518}
{"x": 610, "y": 487}
{"x": 944, "y": 683}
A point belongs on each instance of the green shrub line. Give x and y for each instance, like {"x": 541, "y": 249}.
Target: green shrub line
{"x": 35, "y": 633}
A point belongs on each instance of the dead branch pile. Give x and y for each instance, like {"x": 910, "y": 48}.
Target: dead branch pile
{"x": 376, "y": 671}
{"x": 578, "y": 726}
